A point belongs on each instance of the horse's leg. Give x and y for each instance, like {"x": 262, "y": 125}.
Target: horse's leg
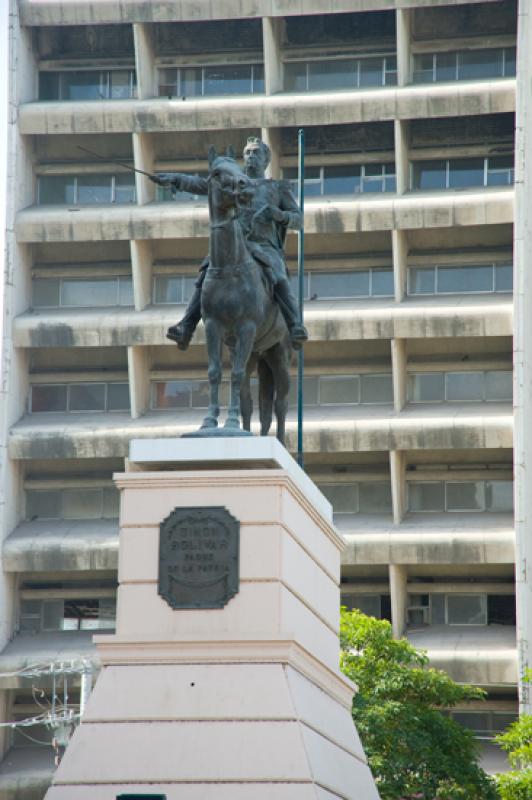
{"x": 265, "y": 397}
{"x": 246, "y": 400}
{"x": 279, "y": 363}
{"x": 213, "y": 335}
{"x": 243, "y": 347}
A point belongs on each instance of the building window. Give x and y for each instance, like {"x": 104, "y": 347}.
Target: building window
{"x": 82, "y": 292}
{"x": 211, "y": 81}
{"x": 485, "y": 724}
{"x": 462, "y": 173}
{"x": 373, "y": 605}
{"x": 362, "y": 497}
{"x": 461, "y": 496}
{"x": 461, "y": 608}
{"x": 345, "y": 179}
{"x": 470, "y": 279}
{"x": 72, "y": 397}
{"x": 76, "y": 614}
{"x": 465, "y": 65}
{"x": 163, "y": 194}
{"x": 86, "y": 189}
{"x": 82, "y": 503}
{"x": 340, "y": 73}
{"x": 460, "y": 387}
{"x": 110, "y": 84}
{"x": 322, "y": 390}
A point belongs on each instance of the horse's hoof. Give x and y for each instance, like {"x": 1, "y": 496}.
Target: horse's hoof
{"x": 234, "y": 424}
{"x": 208, "y": 423}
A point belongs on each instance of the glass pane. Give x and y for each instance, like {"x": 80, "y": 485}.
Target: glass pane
{"x": 43, "y": 505}
{"x": 475, "y": 721}
{"x": 82, "y": 503}
{"x": 310, "y": 392}
{"x": 258, "y": 78}
{"x": 446, "y": 66}
{"x": 30, "y": 616}
{"x": 465, "y": 496}
{"x": 427, "y": 387}
{"x": 48, "y": 398}
{"x": 332, "y": 75}
{"x": 478, "y": 64}
{"x": 48, "y": 86}
{"x": 369, "y": 604}
{"x": 423, "y": 68}
{"x": 125, "y": 292}
{"x": 501, "y": 720}
{"x": 120, "y": 81}
{"x": 499, "y": 495}
{"x": 504, "y": 277}
{"x": 426, "y": 496}
{"x": 191, "y": 84}
{"x": 339, "y": 284}
{"x": 382, "y": 283}
{"x": 376, "y": 389}
{"x": 341, "y": 180}
{"x": 500, "y": 171}
{"x": 86, "y": 397}
{"x": 45, "y": 292}
{"x": 94, "y": 189}
{"x": 464, "y": 386}
{"x": 86, "y": 293}
{"x": 336, "y": 390}
{"x": 371, "y": 72}
{"x": 421, "y": 280}
{"x": 342, "y": 496}
{"x": 171, "y": 394}
{"x": 375, "y": 497}
{"x": 509, "y": 62}
{"x": 294, "y": 283}
{"x": 200, "y": 394}
{"x": 125, "y": 188}
{"x": 466, "y": 609}
{"x": 437, "y": 609}
{"x": 168, "y": 290}
{"x": 390, "y": 75}
{"x": 56, "y": 189}
{"x": 118, "y": 397}
{"x": 168, "y": 82}
{"x": 466, "y": 172}
{"x": 295, "y": 76}
{"x": 499, "y": 385}
{"x": 189, "y": 285}
{"x": 460, "y": 280}
{"x": 111, "y": 503}
{"x": 107, "y": 612}
{"x": 82, "y": 86}
{"x": 52, "y": 615}
{"x": 429, "y": 174}
{"x": 235, "y": 79}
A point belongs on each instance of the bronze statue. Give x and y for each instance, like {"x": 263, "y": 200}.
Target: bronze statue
{"x": 273, "y": 209}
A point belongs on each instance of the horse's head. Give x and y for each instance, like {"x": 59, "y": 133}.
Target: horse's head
{"x": 229, "y": 186}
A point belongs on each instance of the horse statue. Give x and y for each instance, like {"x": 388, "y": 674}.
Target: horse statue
{"x": 238, "y": 310}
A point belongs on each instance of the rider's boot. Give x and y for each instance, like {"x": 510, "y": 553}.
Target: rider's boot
{"x": 182, "y": 332}
{"x": 287, "y": 304}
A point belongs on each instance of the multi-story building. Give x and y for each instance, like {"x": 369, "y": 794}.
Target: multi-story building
{"x": 409, "y": 109}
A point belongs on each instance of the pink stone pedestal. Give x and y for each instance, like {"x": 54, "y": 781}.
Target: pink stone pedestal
{"x": 240, "y": 703}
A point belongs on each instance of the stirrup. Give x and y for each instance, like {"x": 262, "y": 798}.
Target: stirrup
{"x": 180, "y": 336}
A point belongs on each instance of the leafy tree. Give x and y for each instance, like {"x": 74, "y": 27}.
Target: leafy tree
{"x": 414, "y": 750}
{"x": 517, "y": 741}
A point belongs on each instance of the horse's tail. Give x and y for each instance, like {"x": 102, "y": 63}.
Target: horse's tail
{"x": 266, "y": 396}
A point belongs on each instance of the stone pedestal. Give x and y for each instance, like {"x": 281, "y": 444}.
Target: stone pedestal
{"x": 244, "y": 702}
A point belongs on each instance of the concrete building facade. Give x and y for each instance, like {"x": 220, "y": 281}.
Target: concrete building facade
{"x": 416, "y": 240}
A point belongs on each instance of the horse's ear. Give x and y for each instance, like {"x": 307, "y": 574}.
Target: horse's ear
{"x": 230, "y": 152}
{"x": 212, "y": 155}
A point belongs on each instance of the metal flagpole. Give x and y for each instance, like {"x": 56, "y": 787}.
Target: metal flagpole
{"x": 301, "y": 288}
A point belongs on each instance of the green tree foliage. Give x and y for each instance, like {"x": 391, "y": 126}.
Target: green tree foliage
{"x": 517, "y": 741}
{"x": 415, "y": 752}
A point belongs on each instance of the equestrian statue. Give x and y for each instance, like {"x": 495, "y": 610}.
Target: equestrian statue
{"x": 243, "y": 291}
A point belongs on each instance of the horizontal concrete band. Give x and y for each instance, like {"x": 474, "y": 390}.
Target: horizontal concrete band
{"x": 171, "y": 221}
{"x": 270, "y": 111}
{"x": 107, "y": 436}
{"x": 480, "y": 667}
{"x": 326, "y": 321}
{"x": 91, "y": 12}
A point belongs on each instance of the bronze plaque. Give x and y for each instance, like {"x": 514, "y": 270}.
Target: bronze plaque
{"x": 198, "y": 557}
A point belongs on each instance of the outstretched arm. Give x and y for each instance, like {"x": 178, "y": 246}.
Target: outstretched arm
{"x": 181, "y": 182}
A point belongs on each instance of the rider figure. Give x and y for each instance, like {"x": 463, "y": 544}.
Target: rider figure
{"x": 272, "y": 210}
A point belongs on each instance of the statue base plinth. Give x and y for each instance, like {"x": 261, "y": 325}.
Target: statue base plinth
{"x": 217, "y": 433}
{"x": 243, "y": 702}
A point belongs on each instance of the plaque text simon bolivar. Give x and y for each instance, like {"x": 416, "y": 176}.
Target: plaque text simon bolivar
{"x": 198, "y": 557}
